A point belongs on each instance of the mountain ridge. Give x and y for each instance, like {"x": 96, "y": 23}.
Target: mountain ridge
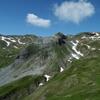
{"x": 46, "y": 58}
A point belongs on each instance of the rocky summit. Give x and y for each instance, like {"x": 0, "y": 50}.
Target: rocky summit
{"x": 60, "y": 67}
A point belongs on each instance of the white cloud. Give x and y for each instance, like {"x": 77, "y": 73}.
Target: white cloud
{"x": 37, "y": 21}
{"x": 74, "y": 11}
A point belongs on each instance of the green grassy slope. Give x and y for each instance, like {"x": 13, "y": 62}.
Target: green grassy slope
{"x": 80, "y": 79}
{"x": 80, "y": 82}
{"x": 20, "y": 85}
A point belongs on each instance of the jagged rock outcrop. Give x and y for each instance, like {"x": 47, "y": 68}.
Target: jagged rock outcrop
{"x": 60, "y": 38}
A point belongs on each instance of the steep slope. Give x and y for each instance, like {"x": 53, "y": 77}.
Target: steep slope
{"x": 80, "y": 81}
{"x": 54, "y": 68}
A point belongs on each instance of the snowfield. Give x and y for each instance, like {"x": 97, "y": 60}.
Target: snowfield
{"x": 76, "y": 54}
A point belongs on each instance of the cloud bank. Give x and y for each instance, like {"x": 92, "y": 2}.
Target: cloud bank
{"x": 74, "y": 11}
{"x": 37, "y": 21}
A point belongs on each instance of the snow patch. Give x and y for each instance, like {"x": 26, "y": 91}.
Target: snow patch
{"x": 41, "y": 84}
{"x": 94, "y": 36}
{"x": 11, "y": 39}
{"x": 70, "y": 59}
{"x": 84, "y": 37}
{"x": 8, "y": 40}
{"x": 61, "y": 69}
{"x": 88, "y": 46}
{"x": 16, "y": 47}
{"x": 97, "y": 34}
{"x": 4, "y": 39}
{"x": 47, "y": 77}
{"x": 75, "y": 46}
{"x": 20, "y": 42}
{"x": 93, "y": 48}
{"x": 75, "y": 56}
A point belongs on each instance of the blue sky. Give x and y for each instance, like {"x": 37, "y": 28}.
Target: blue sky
{"x": 46, "y": 17}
